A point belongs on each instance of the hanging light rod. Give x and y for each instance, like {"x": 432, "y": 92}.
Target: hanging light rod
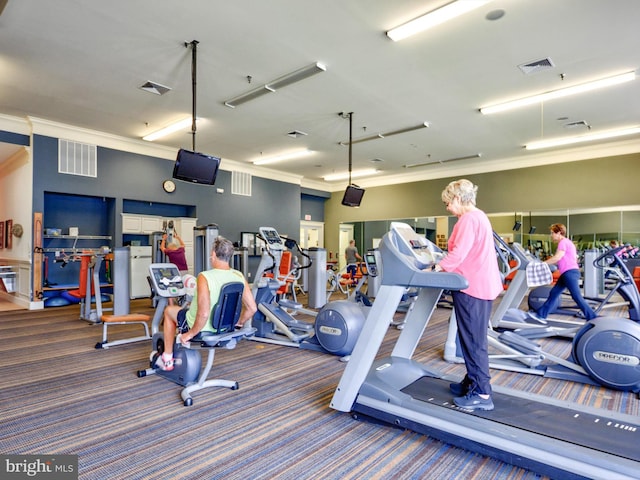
{"x": 590, "y": 137}
{"x": 274, "y": 85}
{"x": 559, "y": 93}
{"x": 467, "y": 157}
{"x": 174, "y": 127}
{"x": 435, "y": 17}
{"x": 387, "y": 134}
{"x": 284, "y": 156}
{"x": 354, "y": 174}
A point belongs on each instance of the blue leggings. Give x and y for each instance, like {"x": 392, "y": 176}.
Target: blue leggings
{"x": 571, "y": 281}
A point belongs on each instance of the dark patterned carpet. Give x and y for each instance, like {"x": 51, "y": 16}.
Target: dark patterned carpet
{"x": 59, "y": 395}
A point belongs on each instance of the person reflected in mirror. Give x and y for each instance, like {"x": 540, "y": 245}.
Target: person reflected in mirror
{"x": 566, "y": 259}
{"x": 352, "y": 257}
{"x": 471, "y": 253}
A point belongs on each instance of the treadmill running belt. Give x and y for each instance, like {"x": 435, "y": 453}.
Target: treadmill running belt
{"x": 570, "y": 425}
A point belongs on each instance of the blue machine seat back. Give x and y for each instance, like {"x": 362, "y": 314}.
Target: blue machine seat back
{"x": 226, "y": 312}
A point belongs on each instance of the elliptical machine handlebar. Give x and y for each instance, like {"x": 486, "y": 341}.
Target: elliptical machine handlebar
{"x": 613, "y": 257}
{"x": 504, "y": 251}
{"x": 290, "y": 243}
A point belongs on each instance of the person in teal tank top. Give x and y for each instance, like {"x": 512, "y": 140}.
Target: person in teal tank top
{"x": 195, "y": 318}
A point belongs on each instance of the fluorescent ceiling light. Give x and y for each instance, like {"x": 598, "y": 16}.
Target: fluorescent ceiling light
{"x": 562, "y": 92}
{"x": 246, "y": 97}
{"x": 280, "y": 82}
{"x": 466, "y": 157}
{"x": 296, "y": 76}
{"x": 174, "y": 127}
{"x": 354, "y": 174}
{"x": 387, "y": 134}
{"x": 590, "y": 137}
{"x": 433, "y": 18}
{"x": 283, "y": 156}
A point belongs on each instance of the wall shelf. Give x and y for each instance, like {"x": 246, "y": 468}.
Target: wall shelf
{"x": 73, "y": 248}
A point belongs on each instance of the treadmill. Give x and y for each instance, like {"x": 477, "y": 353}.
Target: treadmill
{"x": 555, "y": 438}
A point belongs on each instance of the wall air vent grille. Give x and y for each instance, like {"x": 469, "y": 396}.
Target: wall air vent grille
{"x": 77, "y": 158}
{"x": 241, "y": 183}
{"x": 537, "y": 66}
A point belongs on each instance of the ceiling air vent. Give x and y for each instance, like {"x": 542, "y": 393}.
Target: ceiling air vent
{"x": 155, "y": 88}
{"x": 537, "y": 66}
{"x": 296, "y": 134}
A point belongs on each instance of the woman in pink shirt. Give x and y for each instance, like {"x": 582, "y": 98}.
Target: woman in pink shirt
{"x": 471, "y": 253}
{"x": 567, "y": 261}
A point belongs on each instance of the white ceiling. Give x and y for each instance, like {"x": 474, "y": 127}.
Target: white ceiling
{"x": 82, "y": 62}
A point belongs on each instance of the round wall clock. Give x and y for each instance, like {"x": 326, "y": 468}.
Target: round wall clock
{"x": 169, "y": 186}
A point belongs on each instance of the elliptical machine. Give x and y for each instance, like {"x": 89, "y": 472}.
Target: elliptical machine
{"x": 337, "y": 324}
{"x": 605, "y": 351}
{"x": 610, "y": 263}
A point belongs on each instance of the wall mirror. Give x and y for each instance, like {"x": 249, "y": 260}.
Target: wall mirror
{"x": 588, "y": 228}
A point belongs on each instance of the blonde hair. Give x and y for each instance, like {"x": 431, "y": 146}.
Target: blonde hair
{"x": 463, "y": 189}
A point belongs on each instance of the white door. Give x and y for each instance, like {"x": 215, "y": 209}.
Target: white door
{"x": 311, "y": 234}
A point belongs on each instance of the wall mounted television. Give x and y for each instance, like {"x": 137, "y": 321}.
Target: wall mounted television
{"x": 196, "y": 167}
{"x": 352, "y": 196}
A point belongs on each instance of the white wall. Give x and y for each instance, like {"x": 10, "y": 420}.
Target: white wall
{"x": 16, "y": 194}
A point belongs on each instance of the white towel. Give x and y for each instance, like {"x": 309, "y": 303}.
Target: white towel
{"x": 538, "y": 273}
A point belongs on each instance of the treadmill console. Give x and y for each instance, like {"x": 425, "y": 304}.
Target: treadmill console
{"x": 166, "y": 280}
{"x": 425, "y": 252}
{"x": 271, "y": 236}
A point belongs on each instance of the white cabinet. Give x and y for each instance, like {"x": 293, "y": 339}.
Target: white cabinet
{"x": 131, "y": 223}
{"x": 151, "y": 224}
{"x": 141, "y": 224}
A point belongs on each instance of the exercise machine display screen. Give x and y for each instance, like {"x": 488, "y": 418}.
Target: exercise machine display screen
{"x": 166, "y": 279}
{"x": 424, "y": 252}
{"x": 372, "y": 266}
{"x": 271, "y": 236}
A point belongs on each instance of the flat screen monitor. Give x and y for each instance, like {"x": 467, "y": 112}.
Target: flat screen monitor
{"x": 196, "y": 167}
{"x": 352, "y": 196}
